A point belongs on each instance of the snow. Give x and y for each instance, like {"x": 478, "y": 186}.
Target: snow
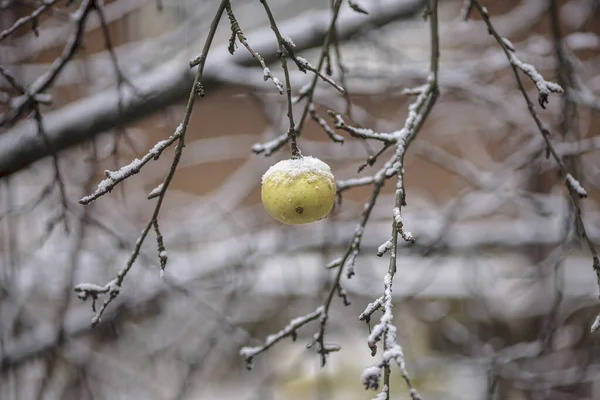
{"x": 397, "y": 216}
{"x": 508, "y": 44}
{"x": 304, "y": 62}
{"x": 89, "y": 287}
{"x": 370, "y": 308}
{"x": 362, "y": 181}
{"x": 543, "y": 86}
{"x": 156, "y": 191}
{"x": 384, "y": 248}
{"x": 288, "y": 40}
{"x": 576, "y": 186}
{"x": 596, "y": 324}
{"x": 383, "y": 395}
{"x": 278, "y": 84}
{"x": 266, "y": 73}
{"x": 115, "y": 177}
{"x": 249, "y": 352}
{"x": 334, "y": 263}
{"x": 370, "y": 377}
{"x": 288, "y": 170}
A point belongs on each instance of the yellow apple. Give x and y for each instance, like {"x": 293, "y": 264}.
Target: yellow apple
{"x": 298, "y": 191}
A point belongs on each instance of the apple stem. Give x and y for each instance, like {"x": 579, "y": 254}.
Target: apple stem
{"x": 296, "y": 153}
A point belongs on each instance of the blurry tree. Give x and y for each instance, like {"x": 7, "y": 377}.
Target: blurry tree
{"x": 471, "y": 124}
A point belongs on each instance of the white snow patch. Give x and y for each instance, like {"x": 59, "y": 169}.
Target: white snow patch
{"x": 293, "y": 168}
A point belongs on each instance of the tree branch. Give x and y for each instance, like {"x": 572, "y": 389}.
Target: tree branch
{"x": 83, "y": 119}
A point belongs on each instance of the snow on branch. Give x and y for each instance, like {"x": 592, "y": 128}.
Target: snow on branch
{"x": 576, "y": 191}
{"x": 370, "y": 309}
{"x": 323, "y": 124}
{"x": 289, "y": 330}
{"x": 156, "y": 191}
{"x": 19, "y": 105}
{"x": 236, "y": 32}
{"x": 354, "y": 182}
{"x": 576, "y": 186}
{"x": 361, "y": 133}
{"x": 113, "y": 178}
{"x": 543, "y": 86}
{"x": 156, "y": 89}
{"x": 33, "y": 18}
{"x": 93, "y": 291}
{"x": 304, "y": 65}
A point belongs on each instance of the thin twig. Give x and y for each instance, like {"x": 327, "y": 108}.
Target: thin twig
{"x": 112, "y": 288}
{"x": 283, "y": 55}
{"x": 43, "y": 82}
{"x": 33, "y": 17}
{"x": 574, "y": 188}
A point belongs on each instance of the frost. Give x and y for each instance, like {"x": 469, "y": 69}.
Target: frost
{"x": 576, "y": 186}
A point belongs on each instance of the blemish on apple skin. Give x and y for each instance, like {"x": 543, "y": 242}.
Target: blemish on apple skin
{"x": 299, "y": 210}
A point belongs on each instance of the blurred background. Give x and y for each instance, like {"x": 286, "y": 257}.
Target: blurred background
{"x": 494, "y": 300}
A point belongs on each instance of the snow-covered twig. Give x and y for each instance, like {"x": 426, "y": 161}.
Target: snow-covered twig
{"x": 574, "y": 187}
{"x": 33, "y": 18}
{"x": 113, "y": 288}
{"x": 385, "y": 331}
{"x": 289, "y": 330}
{"x": 81, "y": 120}
{"x": 285, "y": 50}
{"x": 354, "y": 182}
{"x": 361, "y": 133}
{"x": 156, "y": 191}
{"x": 113, "y": 178}
{"x": 370, "y": 309}
{"x": 42, "y": 83}
{"x": 306, "y": 92}
{"x": 323, "y": 124}
{"x": 237, "y": 32}
{"x": 543, "y": 86}
{"x": 304, "y": 65}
